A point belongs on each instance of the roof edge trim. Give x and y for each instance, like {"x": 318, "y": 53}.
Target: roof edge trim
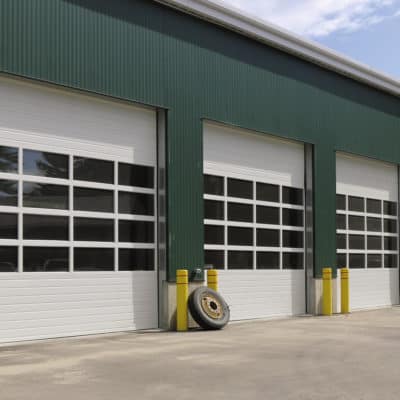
{"x": 234, "y": 19}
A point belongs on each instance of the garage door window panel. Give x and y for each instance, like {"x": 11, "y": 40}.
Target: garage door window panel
{"x": 214, "y": 210}
{"x": 356, "y": 260}
{"x": 240, "y": 188}
{"x": 216, "y": 258}
{"x": 374, "y": 260}
{"x": 374, "y": 206}
{"x": 240, "y": 212}
{"x": 356, "y": 203}
{"x": 292, "y": 195}
{"x": 341, "y": 221}
{"x": 293, "y": 239}
{"x": 40, "y": 163}
{"x": 8, "y": 259}
{"x": 293, "y": 260}
{"x": 8, "y": 193}
{"x": 341, "y": 260}
{"x": 374, "y": 224}
{"x": 44, "y": 227}
{"x": 93, "y": 229}
{"x": 93, "y": 259}
{"x": 9, "y": 159}
{"x": 268, "y": 238}
{"x": 214, "y": 185}
{"x": 97, "y": 200}
{"x": 374, "y": 243}
{"x": 46, "y": 259}
{"x": 136, "y": 231}
{"x": 136, "y": 259}
{"x": 356, "y": 242}
{"x": 390, "y": 260}
{"x": 268, "y": 192}
{"x": 43, "y": 195}
{"x": 340, "y": 202}
{"x": 390, "y": 208}
{"x": 135, "y": 175}
{"x": 291, "y": 217}
{"x": 8, "y": 226}
{"x": 356, "y": 223}
{"x": 93, "y": 170}
{"x": 390, "y": 225}
{"x": 240, "y": 260}
{"x": 240, "y": 236}
{"x": 214, "y": 234}
{"x": 268, "y": 215}
{"x": 268, "y": 260}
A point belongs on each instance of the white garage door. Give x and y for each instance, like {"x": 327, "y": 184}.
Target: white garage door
{"x": 254, "y": 221}
{"x": 367, "y": 238}
{"x": 78, "y": 205}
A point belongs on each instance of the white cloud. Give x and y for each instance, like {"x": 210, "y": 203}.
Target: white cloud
{"x": 316, "y": 18}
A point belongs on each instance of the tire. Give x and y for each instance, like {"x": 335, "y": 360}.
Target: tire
{"x": 208, "y": 308}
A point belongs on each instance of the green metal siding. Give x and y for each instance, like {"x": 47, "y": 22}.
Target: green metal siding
{"x": 142, "y": 51}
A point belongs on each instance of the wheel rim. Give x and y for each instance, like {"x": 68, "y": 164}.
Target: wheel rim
{"x": 211, "y": 306}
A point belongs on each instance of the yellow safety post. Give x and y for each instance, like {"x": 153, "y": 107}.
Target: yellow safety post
{"x": 327, "y": 291}
{"x": 182, "y": 295}
{"x": 345, "y": 291}
{"x": 212, "y": 279}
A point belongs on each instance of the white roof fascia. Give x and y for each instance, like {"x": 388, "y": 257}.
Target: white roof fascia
{"x": 218, "y": 13}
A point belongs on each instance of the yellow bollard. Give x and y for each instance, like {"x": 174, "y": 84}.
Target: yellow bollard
{"x": 345, "y": 291}
{"x": 327, "y": 291}
{"x": 182, "y": 295}
{"x": 212, "y": 279}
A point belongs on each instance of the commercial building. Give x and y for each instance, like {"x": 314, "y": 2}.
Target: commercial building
{"x": 138, "y": 137}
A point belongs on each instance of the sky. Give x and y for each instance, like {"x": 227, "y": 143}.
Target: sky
{"x": 368, "y": 31}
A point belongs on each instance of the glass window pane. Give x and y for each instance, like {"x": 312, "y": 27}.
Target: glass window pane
{"x": 340, "y": 221}
{"x": 341, "y": 241}
{"x": 374, "y": 243}
{"x": 93, "y": 229}
{"x": 293, "y": 239}
{"x": 214, "y": 185}
{"x": 46, "y": 259}
{"x": 356, "y": 203}
{"x": 43, "y": 195}
{"x": 292, "y": 217}
{"x": 292, "y": 195}
{"x": 86, "y": 259}
{"x": 136, "y": 231}
{"x": 267, "y": 192}
{"x": 390, "y": 260}
{"x": 293, "y": 260}
{"x": 268, "y": 215}
{"x": 390, "y": 208}
{"x": 93, "y": 200}
{"x": 214, "y": 234}
{"x": 214, "y": 258}
{"x": 40, "y": 163}
{"x": 374, "y": 261}
{"x": 136, "y": 259}
{"x": 340, "y": 202}
{"x": 390, "y": 243}
{"x": 374, "y": 224}
{"x": 240, "y": 188}
{"x": 268, "y": 260}
{"x": 240, "y": 212}
{"x": 240, "y": 236}
{"x": 8, "y": 159}
{"x": 8, "y": 193}
{"x": 356, "y": 242}
{"x": 240, "y": 260}
{"x": 213, "y": 209}
{"x": 136, "y": 203}
{"x": 8, "y": 259}
{"x": 341, "y": 260}
{"x": 374, "y": 206}
{"x": 268, "y": 237}
{"x": 356, "y": 223}
{"x": 390, "y": 225}
{"x": 135, "y": 175}
{"x": 44, "y": 227}
{"x": 8, "y": 226}
{"x": 356, "y": 261}
{"x": 92, "y": 170}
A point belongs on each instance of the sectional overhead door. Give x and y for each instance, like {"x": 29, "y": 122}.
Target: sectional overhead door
{"x": 367, "y": 229}
{"x": 254, "y": 220}
{"x": 77, "y": 214}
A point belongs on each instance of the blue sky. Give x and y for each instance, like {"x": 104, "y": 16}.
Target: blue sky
{"x": 365, "y": 30}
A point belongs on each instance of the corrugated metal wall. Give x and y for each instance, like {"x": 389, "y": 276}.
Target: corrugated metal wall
{"x": 142, "y": 51}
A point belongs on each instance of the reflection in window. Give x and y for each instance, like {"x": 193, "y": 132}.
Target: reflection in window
{"x": 90, "y": 259}
{"x": 8, "y": 159}
{"x": 136, "y": 203}
{"x": 8, "y": 259}
{"x": 93, "y": 200}
{"x": 43, "y": 195}
{"x": 136, "y": 259}
{"x": 40, "y": 163}
{"x": 93, "y": 170}
{"x": 44, "y": 227}
{"x": 94, "y": 229}
{"x": 135, "y": 175}
{"x": 8, "y": 226}
{"x": 8, "y": 193}
{"x": 46, "y": 259}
